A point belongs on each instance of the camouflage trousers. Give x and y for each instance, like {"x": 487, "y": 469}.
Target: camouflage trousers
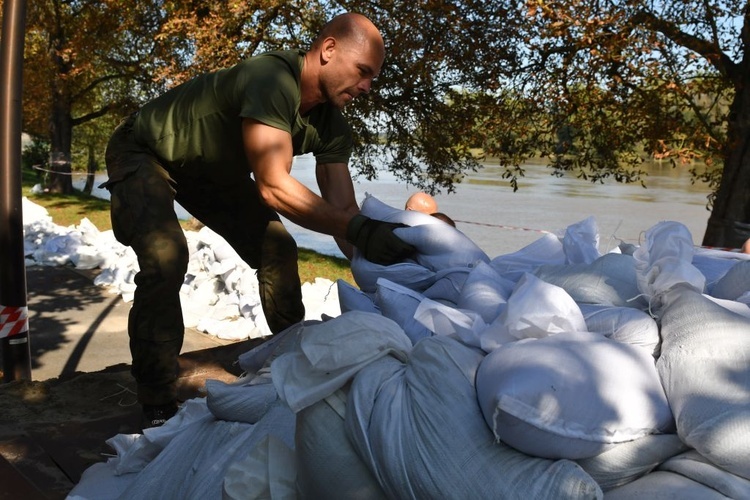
{"x": 143, "y": 193}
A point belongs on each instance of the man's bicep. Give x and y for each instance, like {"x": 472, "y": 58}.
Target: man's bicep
{"x": 267, "y": 148}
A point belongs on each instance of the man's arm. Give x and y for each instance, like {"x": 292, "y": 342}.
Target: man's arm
{"x": 269, "y": 152}
{"x": 336, "y": 187}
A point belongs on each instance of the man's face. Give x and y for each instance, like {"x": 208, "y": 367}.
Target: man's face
{"x": 350, "y": 71}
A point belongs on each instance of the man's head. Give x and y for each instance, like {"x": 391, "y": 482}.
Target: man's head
{"x": 746, "y": 246}
{"x": 421, "y": 202}
{"x": 351, "y": 52}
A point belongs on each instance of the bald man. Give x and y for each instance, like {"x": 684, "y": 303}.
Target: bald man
{"x": 421, "y": 202}
{"x": 746, "y": 246}
{"x": 199, "y": 143}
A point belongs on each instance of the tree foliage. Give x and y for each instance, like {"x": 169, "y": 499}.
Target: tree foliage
{"x": 594, "y": 87}
{"x": 647, "y": 78}
{"x": 83, "y": 59}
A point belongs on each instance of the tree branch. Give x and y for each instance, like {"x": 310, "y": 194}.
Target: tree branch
{"x": 710, "y": 51}
{"x": 94, "y": 114}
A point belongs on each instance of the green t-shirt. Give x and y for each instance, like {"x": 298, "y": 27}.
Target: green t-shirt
{"x": 196, "y": 126}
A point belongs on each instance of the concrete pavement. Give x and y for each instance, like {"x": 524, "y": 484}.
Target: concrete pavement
{"x": 76, "y": 326}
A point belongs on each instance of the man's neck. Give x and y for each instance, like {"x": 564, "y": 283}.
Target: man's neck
{"x": 310, "y": 95}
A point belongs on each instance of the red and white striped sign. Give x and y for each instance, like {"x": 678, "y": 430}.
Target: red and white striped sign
{"x": 13, "y": 320}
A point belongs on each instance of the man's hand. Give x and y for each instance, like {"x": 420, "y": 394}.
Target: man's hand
{"x": 376, "y": 241}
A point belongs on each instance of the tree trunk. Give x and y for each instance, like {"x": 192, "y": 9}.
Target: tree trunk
{"x": 729, "y": 223}
{"x": 93, "y": 166}
{"x": 61, "y": 134}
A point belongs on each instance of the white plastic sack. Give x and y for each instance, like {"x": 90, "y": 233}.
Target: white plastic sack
{"x": 691, "y": 464}
{"x": 571, "y": 395}
{"x": 418, "y": 427}
{"x": 441, "y": 246}
{"x": 609, "y": 280}
{"x": 735, "y": 283}
{"x": 240, "y": 402}
{"x": 376, "y": 209}
{"x": 626, "y": 462}
{"x": 331, "y": 353}
{"x": 441, "y": 319}
{"x": 581, "y": 242}
{"x": 485, "y": 292}
{"x": 546, "y": 250}
{"x": 706, "y": 375}
{"x": 352, "y": 298}
{"x": 327, "y": 464}
{"x": 623, "y": 324}
{"x": 448, "y": 285}
{"x": 665, "y": 261}
{"x": 399, "y": 304}
{"x": 662, "y": 485}
{"x": 268, "y": 471}
{"x": 408, "y": 273}
{"x": 537, "y": 309}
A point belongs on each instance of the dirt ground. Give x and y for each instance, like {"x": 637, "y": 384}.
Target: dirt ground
{"x": 52, "y": 431}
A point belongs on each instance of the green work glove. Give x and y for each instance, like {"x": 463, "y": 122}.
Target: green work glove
{"x": 375, "y": 239}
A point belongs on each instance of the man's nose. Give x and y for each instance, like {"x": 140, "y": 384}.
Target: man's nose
{"x": 365, "y": 85}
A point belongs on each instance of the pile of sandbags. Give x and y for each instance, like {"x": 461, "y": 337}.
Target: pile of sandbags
{"x": 552, "y": 372}
{"x": 220, "y": 293}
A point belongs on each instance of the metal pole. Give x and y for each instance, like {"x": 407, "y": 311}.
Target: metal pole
{"x": 14, "y": 324}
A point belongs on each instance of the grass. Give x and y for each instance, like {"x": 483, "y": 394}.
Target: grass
{"x": 69, "y": 210}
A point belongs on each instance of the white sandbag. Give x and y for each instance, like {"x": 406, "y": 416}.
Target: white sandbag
{"x": 376, "y": 209}
{"x": 741, "y": 308}
{"x": 268, "y": 471}
{"x": 194, "y": 463}
{"x": 712, "y": 267}
{"x": 581, "y": 242}
{"x": 485, "y": 291}
{"x": 692, "y": 465}
{"x": 408, "y": 273}
{"x": 100, "y": 482}
{"x": 419, "y": 429}
{"x": 734, "y": 283}
{"x": 537, "y": 309}
{"x": 331, "y": 353}
{"x": 173, "y": 472}
{"x": 263, "y": 354}
{"x": 445, "y": 320}
{"x": 665, "y": 261}
{"x": 320, "y": 299}
{"x": 399, "y": 304}
{"x": 661, "y": 485}
{"x": 328, "y": 467}
{"x": 626, "y": 462}
{"x": 609, "y": 280}
{"x": 240, "y": 402}
{"x": 623, "y": 324}
{"x": 546, "y": 250}
{"x": 448, "y": 285}
{"x": 136, "y": 451}
{"x": 352, "y": 298}
{"x": 441, "y": 246}
{"x": 571, "y": 395}
{"x": 706, "y": 375}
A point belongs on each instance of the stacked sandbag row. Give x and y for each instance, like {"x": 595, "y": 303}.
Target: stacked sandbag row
{"x": 571, "y": 338}
{"x": 552, "y": 372}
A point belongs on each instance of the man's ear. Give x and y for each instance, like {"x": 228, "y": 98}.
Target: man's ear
{"x": 327, "y": 48}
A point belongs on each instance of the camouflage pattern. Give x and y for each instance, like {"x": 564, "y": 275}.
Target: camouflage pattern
{"x": 143, "y": 217}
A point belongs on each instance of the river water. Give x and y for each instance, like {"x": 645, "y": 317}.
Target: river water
{"x": 500, "y": 221}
